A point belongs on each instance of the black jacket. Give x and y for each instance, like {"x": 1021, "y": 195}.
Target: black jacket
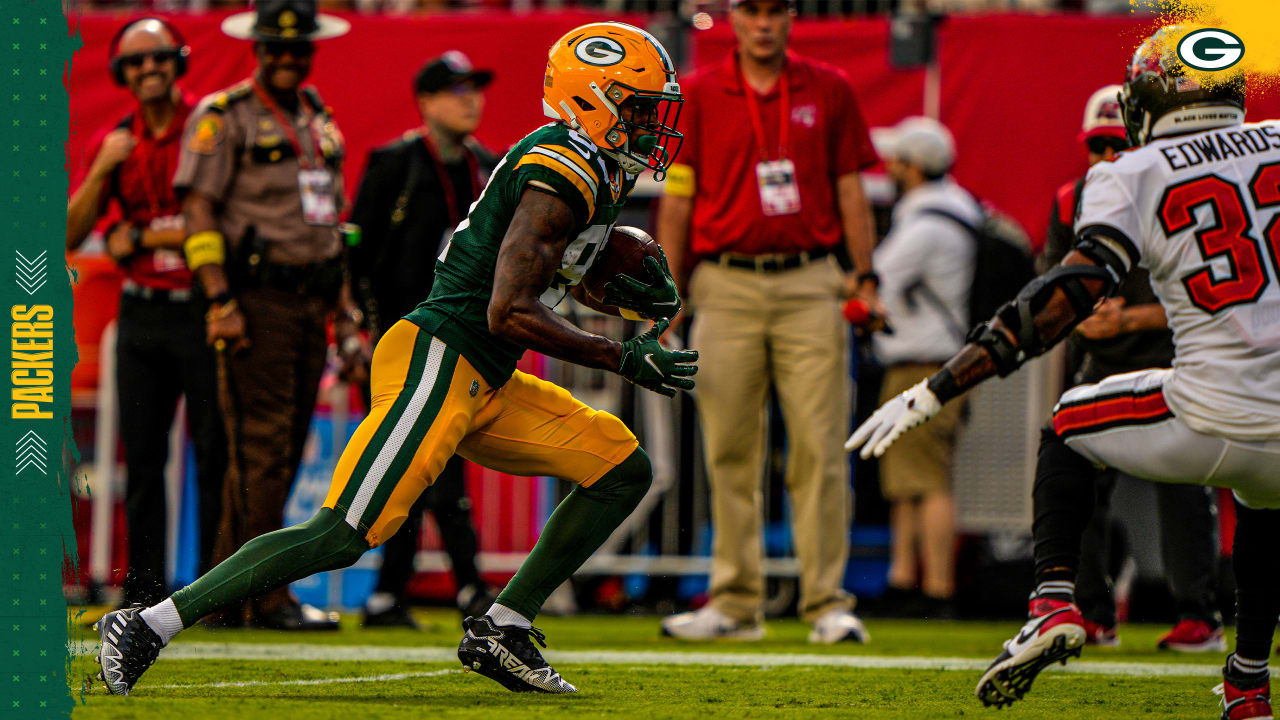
{"x": 403, "y": 212}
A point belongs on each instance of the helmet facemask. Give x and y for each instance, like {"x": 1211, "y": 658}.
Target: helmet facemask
{"x": 654, "y": 116}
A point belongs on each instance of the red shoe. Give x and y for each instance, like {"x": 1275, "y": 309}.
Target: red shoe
{"x": 1054, "y": 632}
{"x": 1100, "y": 635}
{"x": 1193, "y": 636}
{"x": 1245, "y": 703}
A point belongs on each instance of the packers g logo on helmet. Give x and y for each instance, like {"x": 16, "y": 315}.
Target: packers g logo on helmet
{"x": 627, "y": 109}
{"x": 600, "y": 51}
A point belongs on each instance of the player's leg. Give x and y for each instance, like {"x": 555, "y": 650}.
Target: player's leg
{"x": 422, "y": 407}
{"x": 1246, "y": 679}
{"x": 535, "y": 428}
{"x": 1121, "y": 422}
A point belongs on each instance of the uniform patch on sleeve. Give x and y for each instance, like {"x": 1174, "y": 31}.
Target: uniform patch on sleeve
{"x": 208, "y": 133}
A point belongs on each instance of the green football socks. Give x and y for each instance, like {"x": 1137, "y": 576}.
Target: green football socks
{"x": 577, "y": 528}
{"x": 325, "y": 542}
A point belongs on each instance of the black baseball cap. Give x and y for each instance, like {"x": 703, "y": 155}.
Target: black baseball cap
{"x": 449, "y": 69}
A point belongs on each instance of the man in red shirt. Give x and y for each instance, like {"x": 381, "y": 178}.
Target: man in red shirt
{"x": 160, "y": 344}
{"x": 767, "y": 188}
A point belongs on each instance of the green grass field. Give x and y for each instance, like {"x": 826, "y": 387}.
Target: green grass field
{"x": 623, "y": 669}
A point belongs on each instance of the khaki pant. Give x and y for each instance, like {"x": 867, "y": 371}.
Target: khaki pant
{"x": 783, "y": 329}
{"x": 919, "y": 463}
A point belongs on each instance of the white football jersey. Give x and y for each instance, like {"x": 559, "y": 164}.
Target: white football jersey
{"x": 1202, "y": 213}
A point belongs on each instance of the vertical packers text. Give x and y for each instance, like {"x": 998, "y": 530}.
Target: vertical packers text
{"x": 31, "y": 374}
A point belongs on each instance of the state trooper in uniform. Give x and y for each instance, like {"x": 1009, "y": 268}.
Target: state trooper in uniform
{"x": 261, "y": 185}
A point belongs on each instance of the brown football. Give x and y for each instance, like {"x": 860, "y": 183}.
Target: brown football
{"x": 623, "y": 253}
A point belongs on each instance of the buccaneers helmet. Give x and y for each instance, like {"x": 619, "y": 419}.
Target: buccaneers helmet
{"x": 1160, "y": 97}
{"x": 596, "y": 69}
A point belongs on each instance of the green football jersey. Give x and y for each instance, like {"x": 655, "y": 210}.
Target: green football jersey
{"x": 554, "y": 159}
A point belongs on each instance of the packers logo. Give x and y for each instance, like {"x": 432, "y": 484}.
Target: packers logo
{"x": 600, "y": 51}
{"x": 1210, "y": 49}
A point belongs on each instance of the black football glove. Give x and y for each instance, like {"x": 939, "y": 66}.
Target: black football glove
{"x": 655, "y": 299}
{"x": 647, "y": 364}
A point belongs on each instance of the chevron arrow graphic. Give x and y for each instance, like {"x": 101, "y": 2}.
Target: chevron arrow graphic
{"x": 31, "y": 451}
{"x": 31, "y": 273}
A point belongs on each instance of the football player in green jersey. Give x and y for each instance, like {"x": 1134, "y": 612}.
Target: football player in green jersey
{"x": 444, "y": 378}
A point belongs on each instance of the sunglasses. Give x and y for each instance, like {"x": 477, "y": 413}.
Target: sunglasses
{"x": 136, "y": 60}
{"x": 1099, "y": 145}
{"x": 296, "y": 49}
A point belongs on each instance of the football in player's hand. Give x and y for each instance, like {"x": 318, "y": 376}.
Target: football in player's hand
{"x": 623, "y": 253}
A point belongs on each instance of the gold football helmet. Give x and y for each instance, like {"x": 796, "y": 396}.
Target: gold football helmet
{"x": 610, "y": 80}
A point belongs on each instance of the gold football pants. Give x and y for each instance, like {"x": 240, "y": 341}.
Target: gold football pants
{"x": 430, "y": 403}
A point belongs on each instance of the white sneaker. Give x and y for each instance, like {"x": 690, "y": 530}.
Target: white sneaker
{"x": 839, "y": 625}
{"x": 709, "y": 624}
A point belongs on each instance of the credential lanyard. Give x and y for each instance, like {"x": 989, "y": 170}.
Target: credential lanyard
{"x": 757, "y": 123}
{"x": 287, "y": 126}
{"x": 446, "y": 180}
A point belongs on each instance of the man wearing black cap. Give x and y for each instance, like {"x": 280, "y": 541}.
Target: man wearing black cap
{"x": 261, "y": 186}
{"x": 415, "y": 190}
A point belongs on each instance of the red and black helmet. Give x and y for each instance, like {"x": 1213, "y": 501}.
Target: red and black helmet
{"x": 1160, "y": 97}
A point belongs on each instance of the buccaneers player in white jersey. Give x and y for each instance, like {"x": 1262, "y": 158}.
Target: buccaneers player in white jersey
{"x": 1197, "y": 203}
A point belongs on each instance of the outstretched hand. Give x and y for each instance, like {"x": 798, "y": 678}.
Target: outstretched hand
{"x": 905, "y": 411}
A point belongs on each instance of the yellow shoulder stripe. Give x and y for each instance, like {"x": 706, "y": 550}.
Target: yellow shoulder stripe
{"x": 573, "y": 155}
{"x": 680, "y": 181}
{"x": 567, "y": 173}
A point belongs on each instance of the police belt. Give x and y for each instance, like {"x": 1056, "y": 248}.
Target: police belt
{"x": 319, "y": 279}
{"x": 768, "y": 263}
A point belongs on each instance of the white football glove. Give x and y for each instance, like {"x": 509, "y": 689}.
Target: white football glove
{"x": 895, "y": 417}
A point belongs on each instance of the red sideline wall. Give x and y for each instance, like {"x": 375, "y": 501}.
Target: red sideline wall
{"x": 1013, "y": 91}
{"x": 1013, "y": 86}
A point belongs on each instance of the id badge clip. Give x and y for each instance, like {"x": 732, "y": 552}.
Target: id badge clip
{"x": 319, "y": 207}
{"x": 779, "y": 194}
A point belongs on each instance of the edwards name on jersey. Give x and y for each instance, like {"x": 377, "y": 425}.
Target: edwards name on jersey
{"x": 1202, "y": 212}
{"x": 554, "y": 159}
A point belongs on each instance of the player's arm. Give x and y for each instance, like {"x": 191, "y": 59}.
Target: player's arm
{"x": 527, "y": 261}
{"x": 1043, "y": 313}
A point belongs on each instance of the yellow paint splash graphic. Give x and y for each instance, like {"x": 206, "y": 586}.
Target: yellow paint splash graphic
{"x": 1255, "y": 22}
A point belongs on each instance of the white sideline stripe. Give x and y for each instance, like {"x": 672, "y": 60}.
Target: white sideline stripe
{"x": 317, "y": 681}
{"x": 382, "y": 653}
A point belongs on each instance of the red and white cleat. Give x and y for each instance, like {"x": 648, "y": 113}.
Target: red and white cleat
{"x": 1246, "y": 700}
{"x": 1054, "y": 632}
{"x": 1193, "y": 636}
{"x": 1100, "y": 635}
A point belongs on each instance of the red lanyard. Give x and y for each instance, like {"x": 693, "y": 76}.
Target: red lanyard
{"x": 287, "y": 126}
{"x": 446, "y": 180}
{"x": 753, "y": 109}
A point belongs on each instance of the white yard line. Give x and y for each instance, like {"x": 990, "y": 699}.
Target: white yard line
{"x": 373, "y": 653}
{"x": 317, "y": 681}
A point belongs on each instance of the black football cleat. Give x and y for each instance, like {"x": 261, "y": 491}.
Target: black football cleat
{"x": 507, "y": 655}
{"x": 129, "y": 646}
